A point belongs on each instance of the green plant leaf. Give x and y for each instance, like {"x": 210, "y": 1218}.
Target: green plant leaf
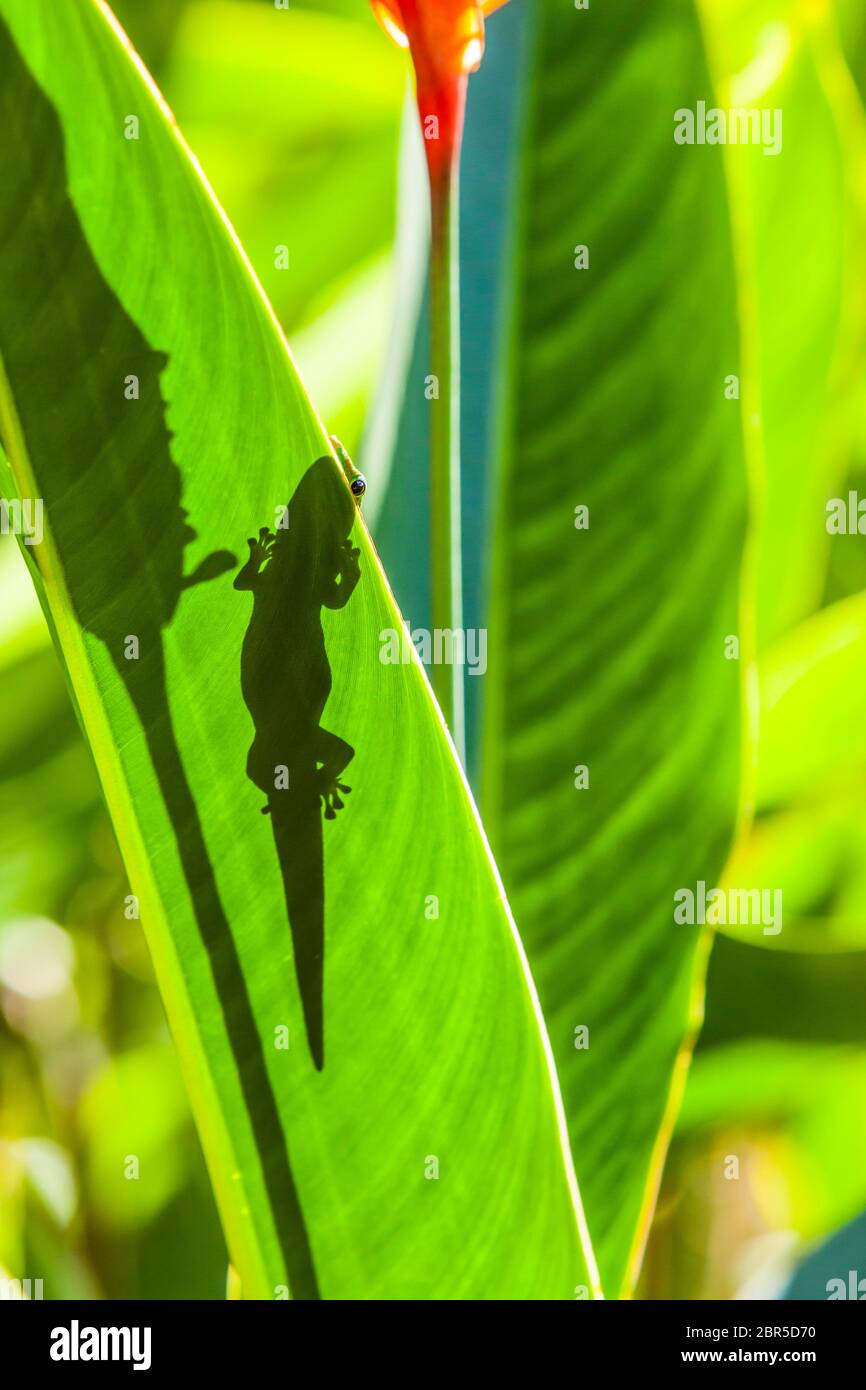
{"x": 809, "y": 838}
{"x": 777, "y": 57}
{"x": 802, "y": 996}
{"x": 607, "y": 645}
{"x": 409, "y": 1140}
{"x": 809, "y": 684}
{"x": 603, "y": 639}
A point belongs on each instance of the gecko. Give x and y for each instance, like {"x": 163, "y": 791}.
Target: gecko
{"x": 307, "y": 565}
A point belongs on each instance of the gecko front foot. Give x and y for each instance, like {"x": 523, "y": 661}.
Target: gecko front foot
{"x": 329, "y": 791}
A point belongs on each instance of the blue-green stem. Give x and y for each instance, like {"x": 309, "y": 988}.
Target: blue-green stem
{"x": 446, "y": 577}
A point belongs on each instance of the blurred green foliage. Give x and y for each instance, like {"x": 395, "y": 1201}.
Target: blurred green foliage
{"x": 779, "y": 1079}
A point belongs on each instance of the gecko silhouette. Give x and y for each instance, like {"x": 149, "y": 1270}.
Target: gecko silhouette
{"x": 113, "y": 499}
{"x": 307, "y": 565}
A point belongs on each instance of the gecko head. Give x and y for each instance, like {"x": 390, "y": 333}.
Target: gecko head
{"x": 356, "y": 480}
{"x": 322, "y": 511}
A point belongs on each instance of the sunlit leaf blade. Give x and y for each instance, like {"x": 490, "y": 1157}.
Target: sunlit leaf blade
{"x": 607, "y": 645}
{"x": 409, "y": 1140}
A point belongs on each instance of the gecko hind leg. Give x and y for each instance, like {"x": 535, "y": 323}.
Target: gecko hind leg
{"x": 334, "y": 754}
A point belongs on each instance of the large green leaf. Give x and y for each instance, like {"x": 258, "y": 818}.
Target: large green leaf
{"x": 423, "y": 1047}
{"x": 607, "y": 645}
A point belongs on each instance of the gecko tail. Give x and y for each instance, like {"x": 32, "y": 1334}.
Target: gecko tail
{"x": 298, "y": 837}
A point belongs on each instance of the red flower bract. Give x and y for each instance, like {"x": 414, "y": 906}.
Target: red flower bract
{"x": 446, "y": 41}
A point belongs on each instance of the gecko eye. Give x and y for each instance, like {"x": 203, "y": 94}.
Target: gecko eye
{"x": 359, "y": 485}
